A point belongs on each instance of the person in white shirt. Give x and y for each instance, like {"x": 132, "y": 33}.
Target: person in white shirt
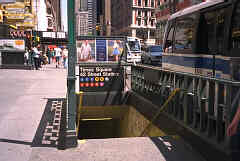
{"x": 36, "y": 57}
{"x": 58, "y": 52}
{"x": 26, "y": 57}
{"x": 84, "y": 52}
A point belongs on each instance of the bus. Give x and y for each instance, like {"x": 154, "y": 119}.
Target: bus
{"x": 204, "y": 39}
{"x": 133, "y": 50}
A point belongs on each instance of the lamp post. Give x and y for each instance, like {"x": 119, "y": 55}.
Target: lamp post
{"x": 71, "y": 137}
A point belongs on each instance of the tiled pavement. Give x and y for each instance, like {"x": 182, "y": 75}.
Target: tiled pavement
{"x": 51, "y": 132}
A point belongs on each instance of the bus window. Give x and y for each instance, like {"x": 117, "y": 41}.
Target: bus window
{"x": 185, "y": 28}
{"x": 202, "y": 36}
{"x": 215, "y": 31}
{"x": 235, "y": 40}
{"x": 169, "y": 40}
{"x": 134, "y": 45}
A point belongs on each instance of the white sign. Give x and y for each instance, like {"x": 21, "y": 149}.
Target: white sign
{"x": 49, "y": 34}
{"x": 12, "y": 45}
{"x": 61, "y": 35}
{"x": 7, "y": 1}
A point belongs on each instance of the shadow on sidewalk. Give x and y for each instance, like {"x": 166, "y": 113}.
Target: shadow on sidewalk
{"x": 48, "y": 131}
{"x": 15, "y": 142}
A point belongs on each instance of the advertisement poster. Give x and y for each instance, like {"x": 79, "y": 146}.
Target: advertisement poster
{"x": 115, "y": 49}
{"x": 12, "y": 45}
{"x": 99, "y": 50}
{"x": 86, "y": 51}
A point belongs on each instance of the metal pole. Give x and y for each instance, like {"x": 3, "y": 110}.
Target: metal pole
{"x": 71, "y": 138}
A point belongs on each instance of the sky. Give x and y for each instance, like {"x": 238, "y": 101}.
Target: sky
{"x": 64, "y": 13}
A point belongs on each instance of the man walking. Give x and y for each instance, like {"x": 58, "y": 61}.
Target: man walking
{"x": 36, "y": 57}
{"x": 65, "y": 57}
{"x": 58, "y": 52}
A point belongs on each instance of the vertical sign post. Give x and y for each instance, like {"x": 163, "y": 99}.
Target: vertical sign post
{"x": 71, "y": 137}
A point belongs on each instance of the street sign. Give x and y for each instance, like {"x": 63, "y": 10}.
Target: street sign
{"x": 100, "y": 78}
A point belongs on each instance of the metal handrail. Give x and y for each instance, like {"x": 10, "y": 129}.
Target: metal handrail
{"x": 173, "y": 93}
{"x": 79, "y": 109}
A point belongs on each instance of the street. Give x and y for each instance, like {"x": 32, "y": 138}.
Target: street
{"x": 23, "y": 97}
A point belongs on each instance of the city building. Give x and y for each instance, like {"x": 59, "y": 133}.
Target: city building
{"x": 134, "y": 18}
{"x": 19, "y": 14}
{"x": 86, "y": 9}
{"x": 164, "y": 9}
{"x": 105, "y": 18}
{"x": 31, "y": 15}
{"x": 54, "y": 15}
{"x": 82, "y": 23}
{"x": 40, "y": 11}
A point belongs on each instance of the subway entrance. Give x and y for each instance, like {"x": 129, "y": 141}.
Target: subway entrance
{"x": 114, "y": 122}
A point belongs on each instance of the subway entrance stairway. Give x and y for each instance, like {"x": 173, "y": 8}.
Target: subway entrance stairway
{"x": 120, "y": 129}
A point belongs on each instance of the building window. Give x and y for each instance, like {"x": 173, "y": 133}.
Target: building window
{"x": 152, "y": 3}
{"x": 139, "y": 2}
{"x": 152, "y": 34}
{"x": 146, "y": 3}
{"x": 152, "y": 23}
{"x": 139, "y": 13}
{"x": 145, "y": 22}
{"x": 152, "y": 14}
{"x": 139, "y": 22}
{"x": 146, "y": 13}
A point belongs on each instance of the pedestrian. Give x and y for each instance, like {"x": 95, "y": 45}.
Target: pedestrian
{"x": 233, "y": 131}
{"x": 36, "y": 57}
{"x": 53, "y": 55}
{"x": 65, "y": 57}
{"x": 26, "y": 57}
{"x": 49, "y": 55}
{"x": 58, "y": 52}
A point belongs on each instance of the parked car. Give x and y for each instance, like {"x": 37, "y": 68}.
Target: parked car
{"x": 152, "y": 54}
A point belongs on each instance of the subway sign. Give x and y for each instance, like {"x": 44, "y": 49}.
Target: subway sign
{"x": 100, "y": 78}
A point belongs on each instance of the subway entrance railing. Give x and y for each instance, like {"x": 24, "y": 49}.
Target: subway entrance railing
{"x": 204, "y": 105}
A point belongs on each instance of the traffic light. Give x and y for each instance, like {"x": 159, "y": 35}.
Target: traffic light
{"x": 98, "y": 28}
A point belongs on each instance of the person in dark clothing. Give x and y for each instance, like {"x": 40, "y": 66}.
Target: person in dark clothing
{"x": 49, "y": 55}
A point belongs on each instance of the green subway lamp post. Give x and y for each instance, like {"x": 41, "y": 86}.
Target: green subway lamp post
{"x": 71, "y": 137}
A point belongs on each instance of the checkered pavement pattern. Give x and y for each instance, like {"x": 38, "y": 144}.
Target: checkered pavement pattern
{"x": 51, "y": 133}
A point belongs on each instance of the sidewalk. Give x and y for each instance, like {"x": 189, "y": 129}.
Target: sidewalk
{"x": 24, "y": 95}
